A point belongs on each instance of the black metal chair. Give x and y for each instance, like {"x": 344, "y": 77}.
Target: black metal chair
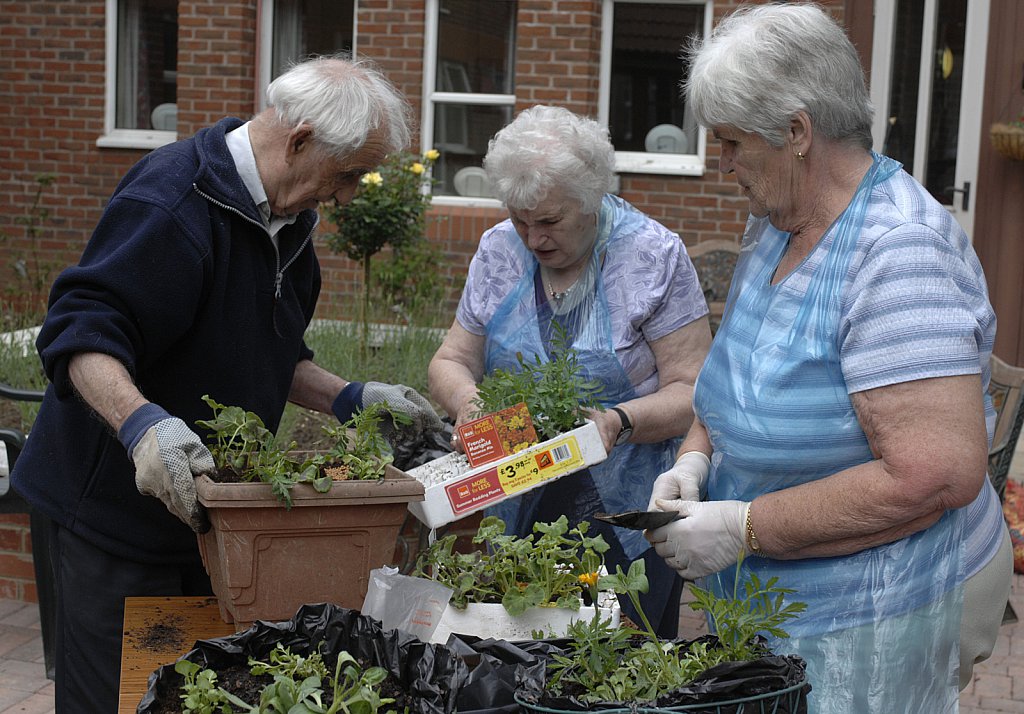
{"x": 11, "y": 501}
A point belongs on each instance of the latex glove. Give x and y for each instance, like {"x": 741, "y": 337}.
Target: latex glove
{"x": 709, "y": 537}
{"x": 400, "y": 398}
{"x": 168, "y": 456}
{"x": 685, "y": 481}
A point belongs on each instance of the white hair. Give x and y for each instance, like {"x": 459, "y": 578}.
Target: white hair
{"x": 763, "y": 64}
{"x": 344, "y": 100}
{"x": 547, "y": 147}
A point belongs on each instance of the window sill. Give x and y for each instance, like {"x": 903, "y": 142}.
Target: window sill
{"x": 465, "y": 201}
{"x": 135, "y": 139}
{"x": 639, "y": 162}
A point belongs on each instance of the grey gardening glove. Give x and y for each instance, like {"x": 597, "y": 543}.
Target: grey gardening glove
{"x": 168, "y": 456}
{"x": 400, "y": 398}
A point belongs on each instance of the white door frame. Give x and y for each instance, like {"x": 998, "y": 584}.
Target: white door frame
{"x": 969, "y": 136}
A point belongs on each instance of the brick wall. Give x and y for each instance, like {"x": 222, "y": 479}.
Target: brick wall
{"x": 52, "y": 57}
{"x": 17, "y": 581}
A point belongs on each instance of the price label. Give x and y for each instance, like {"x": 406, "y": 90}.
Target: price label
{"x": 558, "y": 457}
{"x": 515, "y": 474}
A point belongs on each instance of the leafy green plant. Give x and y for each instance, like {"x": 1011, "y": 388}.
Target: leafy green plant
{"x": 290, "y": 664}
{"x": 32, "y": 274}
{"x": 244, "y": 449}
{"x": 409, "y": 282}
{"x": 301, "y": 685}
{"x": 555, "y": 390}
{"x": 200, "y": 693}
{"x": 606, "y": 664}
{"x": 388, "y": 208}
{"x": 359, "y": 445}
{"x": 552, "y": 567}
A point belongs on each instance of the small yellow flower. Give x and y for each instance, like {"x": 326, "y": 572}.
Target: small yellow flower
{"x": 417, "y": 168}
{"x": 589, "y": 579}
{"x": 432, "y": 155}
{"x": 372, "y": 179}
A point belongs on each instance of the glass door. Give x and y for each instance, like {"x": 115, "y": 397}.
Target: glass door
{"x": 927, "y": 70}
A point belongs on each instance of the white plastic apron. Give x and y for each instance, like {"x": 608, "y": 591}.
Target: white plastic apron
{"x": 625, "y": 479}
{"x": 881, "y": 629}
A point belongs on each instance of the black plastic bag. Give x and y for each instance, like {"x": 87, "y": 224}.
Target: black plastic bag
{"x": 431, "y": 674}
{"x": 735, "y": 682}
{"x": 498, "y": 669}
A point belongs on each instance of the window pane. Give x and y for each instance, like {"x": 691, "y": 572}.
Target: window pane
{"x": 906, "y": 70}
{"x": 646, "y": 111}
{"x": 476, "y": 46}
{"x": 947, "y": 83}
{"x": 461, "y": 134}
{"x": 147, "y": 62}
{"x": 310, "y": 27}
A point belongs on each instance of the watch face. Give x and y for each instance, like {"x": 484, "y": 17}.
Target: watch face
{"x": 624, "y": 435}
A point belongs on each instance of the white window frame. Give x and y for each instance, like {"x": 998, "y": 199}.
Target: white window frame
{"x": 643, "y": 161}
{"x": 114, "y": 137}
{"x": 431, "y": 98}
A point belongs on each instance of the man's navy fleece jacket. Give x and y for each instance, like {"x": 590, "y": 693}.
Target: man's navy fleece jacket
{"x": 180, "y": 283}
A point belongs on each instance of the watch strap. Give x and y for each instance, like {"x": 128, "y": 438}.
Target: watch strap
{"x": 624, "y": 417}
{"x": 626, "y": 430}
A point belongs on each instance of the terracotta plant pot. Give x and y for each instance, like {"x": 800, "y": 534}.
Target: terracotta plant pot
{"x": 265, "y": 560}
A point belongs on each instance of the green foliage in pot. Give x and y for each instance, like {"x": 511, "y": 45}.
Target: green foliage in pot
{"x": 606, "y": 664}
{"x": 555, "y": 390}
{"x": 552, "y": 567}
{"x": 301, "y": 685}
{"x": 245, "y": 450}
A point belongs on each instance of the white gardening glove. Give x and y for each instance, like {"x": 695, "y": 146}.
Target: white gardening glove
{"x": 709, "y": 538}
{"x": 685, "y": 481}
{"x": 168, "y": 456}
{"x": 398, "y": 397}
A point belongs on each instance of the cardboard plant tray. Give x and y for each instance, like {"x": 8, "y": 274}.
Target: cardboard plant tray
{"x": 453, "y": 490}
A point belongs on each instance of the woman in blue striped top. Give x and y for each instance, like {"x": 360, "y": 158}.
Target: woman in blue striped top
{"x": 842, "y": 418}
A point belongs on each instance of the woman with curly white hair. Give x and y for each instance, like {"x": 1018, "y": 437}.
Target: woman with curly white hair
{"x": 573, "y": 259}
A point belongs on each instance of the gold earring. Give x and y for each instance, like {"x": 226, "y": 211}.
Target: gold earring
{"x": 800, "y": 155}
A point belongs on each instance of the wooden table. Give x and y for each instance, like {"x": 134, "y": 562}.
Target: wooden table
{"x": 158, "y": 630}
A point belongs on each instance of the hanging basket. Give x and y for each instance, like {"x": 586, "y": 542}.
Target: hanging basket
{"x": 1008, "y": 140}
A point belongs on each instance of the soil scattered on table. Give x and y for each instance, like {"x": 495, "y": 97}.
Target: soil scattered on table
{"x": 160, "y": 636}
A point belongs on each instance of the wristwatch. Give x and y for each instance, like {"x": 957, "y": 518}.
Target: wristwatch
{"x": 627, "y": 426}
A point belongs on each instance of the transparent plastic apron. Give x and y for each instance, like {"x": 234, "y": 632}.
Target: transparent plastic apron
{"x": 624, "y": 480}
{"x": 881, "y": 630}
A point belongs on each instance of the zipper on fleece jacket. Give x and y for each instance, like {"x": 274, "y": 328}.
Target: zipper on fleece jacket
{"x": 278, "y": 268}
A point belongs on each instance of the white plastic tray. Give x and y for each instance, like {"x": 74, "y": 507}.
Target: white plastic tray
{"x": 492, "y": 620}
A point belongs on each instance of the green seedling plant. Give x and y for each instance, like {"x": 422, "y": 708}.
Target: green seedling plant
{"x": 242, "y": 445}
{"x": 359, "y": 444}
{"x": 618, "y": 665}
{"x": 555, "y": 566}
{"x": 301, "y": 685}
{"x": 200, "y": 693}
{"x": 555, "y": 390}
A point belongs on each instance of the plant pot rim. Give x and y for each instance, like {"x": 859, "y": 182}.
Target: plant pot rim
{"x": 396, "y": 487}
